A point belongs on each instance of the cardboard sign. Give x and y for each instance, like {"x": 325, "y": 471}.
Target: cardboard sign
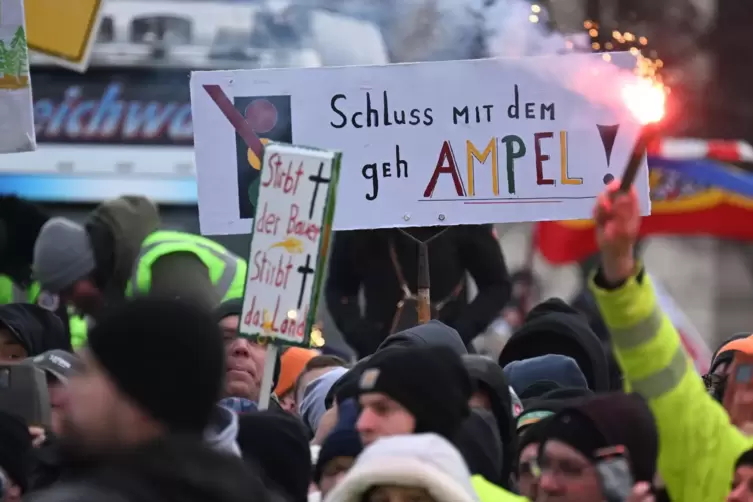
{"x": 448, "y": 143}
{"x": 17, "y": 124}
{"x": 63, "y": 31}
{"x": 295, "y": 205}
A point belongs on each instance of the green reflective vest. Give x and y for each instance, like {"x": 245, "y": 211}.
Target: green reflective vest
{"x": 227, "y": 271}
{"x": 10, "y": 292}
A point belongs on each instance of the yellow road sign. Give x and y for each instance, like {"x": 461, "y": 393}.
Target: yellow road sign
{"x": 63, "y": 30}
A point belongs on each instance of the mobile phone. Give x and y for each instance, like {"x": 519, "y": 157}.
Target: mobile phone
{"x": 615, "y": 475}
{"x": 23, "y": 392}
{"x": 738, "y": 397}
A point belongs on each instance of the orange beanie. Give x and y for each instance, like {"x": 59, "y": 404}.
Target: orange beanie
{"x": 292, "y": 362}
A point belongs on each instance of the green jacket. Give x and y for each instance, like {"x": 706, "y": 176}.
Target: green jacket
{"x": 698, "y": 447}
{"x": 489, "y": 492}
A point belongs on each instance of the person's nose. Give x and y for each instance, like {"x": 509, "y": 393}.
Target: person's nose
{"x": 547, "y": 483}
{"x": 366, "y": 421}
{"x": 240, "y": 348}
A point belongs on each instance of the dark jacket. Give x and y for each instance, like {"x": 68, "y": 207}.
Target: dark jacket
{"x": 174, "y": 470}
{"x": 117, "y": 229}
{"x": 488, "y": 377}
{"x": 553, "y": 327}
{"x": 361, "y": 260}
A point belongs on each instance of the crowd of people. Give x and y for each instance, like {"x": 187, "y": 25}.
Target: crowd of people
{"x": 157, "y": 398}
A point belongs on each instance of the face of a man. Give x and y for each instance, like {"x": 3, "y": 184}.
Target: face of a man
{"x": 567, "y": 476}
{"x": 245, "y": 362}
{"x": 382, "y": 416}
{"x": 11, "y": 350}
{"x": 526, "y": 477}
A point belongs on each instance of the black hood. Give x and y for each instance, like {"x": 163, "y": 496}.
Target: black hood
{"x": 168, "y": 470}
{"x": 487, "y": 376}
{"x": 479, "y": 442}
{"x": 553, "y": 327}
{"x": 38, "y": 329}
{"x": 431, "y": 333}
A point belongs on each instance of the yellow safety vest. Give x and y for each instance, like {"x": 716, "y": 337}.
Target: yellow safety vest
{"x": 227, "y": 271}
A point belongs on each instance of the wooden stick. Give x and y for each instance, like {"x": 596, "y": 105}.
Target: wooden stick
{"x": 424, "y": 284}
{"x": 269, "y": 372}
{"x": 648, "y": 133}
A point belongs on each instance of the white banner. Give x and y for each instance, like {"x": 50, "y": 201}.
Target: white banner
{"x": 16, "y": 112}
{"x": 448, "y": 143}
{"x": 289, "y": 244}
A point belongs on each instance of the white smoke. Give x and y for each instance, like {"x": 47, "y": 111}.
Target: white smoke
{"x": 436, "y": 30}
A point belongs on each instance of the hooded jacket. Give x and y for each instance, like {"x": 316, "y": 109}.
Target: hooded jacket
{"x": 553, "y": 327}
{"x": 37, "y": 329}
{"x": 222, "y": 432}
{"x": 479, "y": 442}
{"x": 167, "y": 470}
{"x": 432, "y": 333}
{"x": 117, "y": 228}
{"x": 489, "y": 377}
{"x": 425, "y": 461}
{"x": 278, "y": 444}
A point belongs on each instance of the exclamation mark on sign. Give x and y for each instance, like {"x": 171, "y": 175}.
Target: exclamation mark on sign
{"x": 608, "y": 134}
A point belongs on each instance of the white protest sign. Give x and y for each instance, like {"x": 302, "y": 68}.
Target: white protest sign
{"x": 289, "y": 244}
{"x": 17, "y": 124}
{"x": 447, "y": 143}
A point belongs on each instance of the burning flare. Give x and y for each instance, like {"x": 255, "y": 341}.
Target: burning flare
{"x": 646, "y": 99}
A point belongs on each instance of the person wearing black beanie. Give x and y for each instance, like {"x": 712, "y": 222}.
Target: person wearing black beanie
{"x": 413, "y": 390}
{"x": 152, "y": 366}
{"x": 578, "y": 432}
{"x": 278, "y": 444}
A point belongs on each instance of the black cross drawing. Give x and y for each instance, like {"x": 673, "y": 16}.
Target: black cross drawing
{"x": 318, "y": 179}
{"x": 305, "y": 270}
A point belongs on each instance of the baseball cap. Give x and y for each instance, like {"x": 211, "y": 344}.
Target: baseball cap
{"x": 58, "y": 363}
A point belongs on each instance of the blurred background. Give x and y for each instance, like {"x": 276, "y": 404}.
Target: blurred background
{"x": 125, "y": 124}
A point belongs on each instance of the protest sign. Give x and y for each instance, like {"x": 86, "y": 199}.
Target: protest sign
{"x": 447, "y": 143}
{"x": 295, "y": 205}
{"x": 63, "y": 32}
{"x": 17, "y": 124}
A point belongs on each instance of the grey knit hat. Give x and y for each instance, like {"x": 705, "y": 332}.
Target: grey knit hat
{"x": 63, "y": 254}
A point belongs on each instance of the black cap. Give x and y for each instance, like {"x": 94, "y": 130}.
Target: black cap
{"x": 58, "y": 363}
